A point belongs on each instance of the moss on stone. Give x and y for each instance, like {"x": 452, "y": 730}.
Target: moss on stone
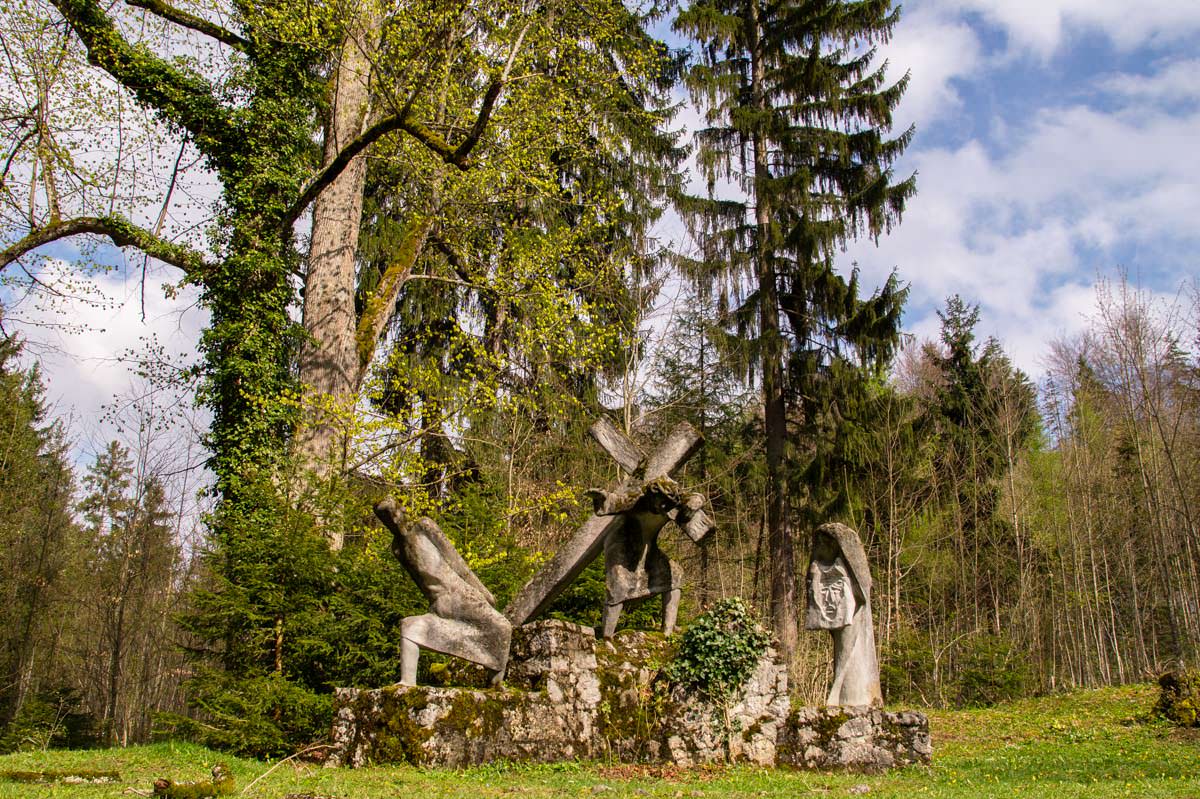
{"x": 397, "y": 736}
{"x": 78, "y": 775}
{"x": 478, "y": 714}
{"x": 827, "y": 724}
{"x": 1179, "y": 698}
{"x": 631, "y": 711}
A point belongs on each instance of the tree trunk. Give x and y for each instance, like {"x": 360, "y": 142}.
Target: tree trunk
{"x": 779, "y": 535}
{"x": 329, "y": 362}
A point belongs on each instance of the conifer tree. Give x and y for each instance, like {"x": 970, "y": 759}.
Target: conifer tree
{"x": 798, "y": 114}
{"x": 984, "y": 412}
{"x": 130, "y": 566}
{"x": 37, "y": 534}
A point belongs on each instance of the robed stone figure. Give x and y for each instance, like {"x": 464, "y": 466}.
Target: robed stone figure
{"x": 839, "y": 600}
{"x": 462, "y": 619}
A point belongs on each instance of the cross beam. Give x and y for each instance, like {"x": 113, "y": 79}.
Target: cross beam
{"x": 574, "y": 556}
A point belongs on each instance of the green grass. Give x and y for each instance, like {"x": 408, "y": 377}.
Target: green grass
{"x": 1086, "y": 744}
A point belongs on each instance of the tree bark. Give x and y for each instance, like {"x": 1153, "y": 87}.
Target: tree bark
{"x": 329, "y": 361}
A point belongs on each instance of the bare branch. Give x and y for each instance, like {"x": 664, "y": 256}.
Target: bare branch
{"x": 198, "y": 24}
{"x": 121, "y": 231}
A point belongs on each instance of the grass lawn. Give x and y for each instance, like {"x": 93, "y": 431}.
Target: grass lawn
{"x": 1085, "y": 744}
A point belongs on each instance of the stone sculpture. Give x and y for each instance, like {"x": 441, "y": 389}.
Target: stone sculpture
{"x": 462, "y": 621}
{"x": 839, "y": 600}
{"x": 625, "y": 526}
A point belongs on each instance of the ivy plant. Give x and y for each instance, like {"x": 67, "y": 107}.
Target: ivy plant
{"x": 719, "y": 651}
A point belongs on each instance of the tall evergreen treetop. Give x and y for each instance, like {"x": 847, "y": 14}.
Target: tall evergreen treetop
{"x": 798, "y": 114}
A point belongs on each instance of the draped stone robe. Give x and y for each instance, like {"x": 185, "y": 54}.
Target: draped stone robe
{"x": 839, "y": 600}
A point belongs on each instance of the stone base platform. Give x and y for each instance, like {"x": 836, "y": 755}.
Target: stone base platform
{"x": 856, "y": 738}
{"x": 569, "y": 696}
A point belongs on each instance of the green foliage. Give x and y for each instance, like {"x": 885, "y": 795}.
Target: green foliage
{"x": 719, "y": 651}
{"x": 474, "y": 517}
{"x": 357, "y": 639}
{"x": 533, "y": 250}
{"x": 53, "y": 718}
{"x": 1179, "y": 698}
{"x": 38, "y": 535}
{"x": 262, "y": 716}
{"x": 990, "y": 670}
{"x": 906, "y": 668}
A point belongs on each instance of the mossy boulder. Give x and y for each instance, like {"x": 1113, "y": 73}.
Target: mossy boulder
{"x": 221, "y": 784}
{"x": 1179, "y": 698}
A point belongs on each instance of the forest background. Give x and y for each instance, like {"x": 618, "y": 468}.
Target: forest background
{"x": 498, "y": 283}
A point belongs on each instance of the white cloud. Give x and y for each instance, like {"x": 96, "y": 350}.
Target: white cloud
{"x": 79, "y": 346}
{"x": 1041, "y": 26}
{"x": 1018, "y": 230}
{"x": 937, "y": 50}
{"x": 1175, "y": 81}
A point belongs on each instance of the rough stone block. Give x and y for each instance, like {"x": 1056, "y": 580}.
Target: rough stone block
{"x": 857, "y": 738}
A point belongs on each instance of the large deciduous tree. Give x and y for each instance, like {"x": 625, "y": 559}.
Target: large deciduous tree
{"x": 423, "y": 82}
{"x": 797, "y": 112}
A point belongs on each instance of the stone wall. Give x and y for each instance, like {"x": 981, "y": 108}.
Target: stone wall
{"x": 568, "y": 697}
{"x": 858, "y": 738}
{"x": 545, "y": 714}
{"x": 641, "y": 720}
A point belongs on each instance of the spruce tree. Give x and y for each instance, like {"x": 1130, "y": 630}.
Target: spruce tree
{"x": 37, "y": 538}
{"x": 984, "y": 414}
{"x": 798, "y": 115}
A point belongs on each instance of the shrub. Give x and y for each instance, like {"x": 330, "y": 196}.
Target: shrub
{"x": 990, "y": 671}
{"x": 266, "y": 716}
{"x": 51, "y": 719}
{"x": 906, "y": 668}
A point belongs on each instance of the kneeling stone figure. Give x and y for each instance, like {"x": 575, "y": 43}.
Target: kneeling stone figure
{"x": 463, "y": 621}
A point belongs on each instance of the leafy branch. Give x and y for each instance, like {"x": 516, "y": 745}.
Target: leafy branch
{"x": 186, "y": 20}
{"x": 457, "y": 156}
{"x": 179, "y": 96}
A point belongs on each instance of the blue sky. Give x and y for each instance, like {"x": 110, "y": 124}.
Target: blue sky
{"x": 1058, "y": 141}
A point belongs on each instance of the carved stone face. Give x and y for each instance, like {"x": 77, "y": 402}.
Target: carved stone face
{"x": 831, "y": 603}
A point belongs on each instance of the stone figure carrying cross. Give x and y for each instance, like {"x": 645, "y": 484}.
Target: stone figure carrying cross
{"x": 625, "y": 525}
